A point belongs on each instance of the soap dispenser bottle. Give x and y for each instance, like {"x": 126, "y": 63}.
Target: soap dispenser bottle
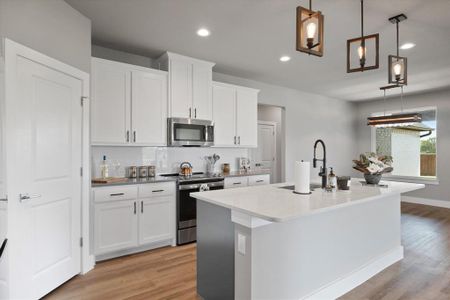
{"x": 104, "y": 169}
{"x": 332, "y": 179}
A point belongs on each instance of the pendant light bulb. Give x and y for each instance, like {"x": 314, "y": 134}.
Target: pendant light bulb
{"x": 362, "y": 52}
{"x": 397, "y": 69}
{"x": 311, "y": 30}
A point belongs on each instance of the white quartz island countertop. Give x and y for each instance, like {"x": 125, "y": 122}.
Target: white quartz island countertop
{"x": 275, "y": 204}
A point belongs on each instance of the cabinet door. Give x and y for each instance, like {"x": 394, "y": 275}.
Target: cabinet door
{"x": 202, "y": 92}
{"x": 156, "y": 219}
{"x": 259, "y": 180}
{"x": 148, "y": 108}
{"x": 110, "y": 103}
{"x": 115, "y": 226}
{"x": 247, "y": 117}
{"x": 180, "y": 89}
{"x": 224, "y": 112}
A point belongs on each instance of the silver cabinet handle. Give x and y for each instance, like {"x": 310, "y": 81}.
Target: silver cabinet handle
{"x": 25, "y": 197}
{"x": 195, "y": 113}
{"x": 157, "y": 191}
{"x": 190, "y": 112}
{"x": 236, "y": 183}
{"x": 134, "y": 136}
{"x": 134, "y": 207}
{"x": 260, "y": 180}
{"x": 239, "y": 140}
{"x": 117, "y": 194}
{"x": 128, "y": 136}
{"x": 235, "y": 140}
{"x": 142, "y": 207}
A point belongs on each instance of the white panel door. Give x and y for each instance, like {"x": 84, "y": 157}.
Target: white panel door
{"x": 224, "y": 113}
{"x": 202, "y": 92}
{"x": 265, "y": 154}
{"x": 44, "y": 125}
{"x": 149, "y": 108}
{"x": 115, "y": 226}
{"x": 110, "y": 103}
{"x": 156, "y": 219}
{"x": 247, "y": 117}
{"x": 180, "y": 89}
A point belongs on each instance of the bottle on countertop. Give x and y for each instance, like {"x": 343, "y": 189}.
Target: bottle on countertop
{"x": 332, "y": 179}
{"x": 104, "y": 168}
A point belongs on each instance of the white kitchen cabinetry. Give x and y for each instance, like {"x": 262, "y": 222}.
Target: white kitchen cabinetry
{"x": 129, "y": 105}
{"x": 190, "y": 86}
{"x": 235, "y": 111}
{"x": 243, "y": 181}
{"x": 133, "y": 218}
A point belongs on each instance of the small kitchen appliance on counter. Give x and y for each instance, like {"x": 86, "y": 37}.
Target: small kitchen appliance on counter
{"x": 185, "y": 169}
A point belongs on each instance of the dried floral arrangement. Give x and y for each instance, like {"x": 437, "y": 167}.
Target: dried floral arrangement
{"x": 371, "y": 163}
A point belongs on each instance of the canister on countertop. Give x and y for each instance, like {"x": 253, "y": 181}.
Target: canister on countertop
{"x": 132, "y": 172}
{"x": 143, "y": 172}
{"x": 343, "y": 182}
{"x": 151, "y": 172}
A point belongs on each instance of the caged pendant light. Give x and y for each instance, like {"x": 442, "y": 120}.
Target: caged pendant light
{"x": 363, "y": 52}
{"x": 395, "y": 120}
{"x": 309, "y": 31}
{"x": 397, "y": 73}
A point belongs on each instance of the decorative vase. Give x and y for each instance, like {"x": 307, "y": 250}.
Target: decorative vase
{"x": 372, "y": 178}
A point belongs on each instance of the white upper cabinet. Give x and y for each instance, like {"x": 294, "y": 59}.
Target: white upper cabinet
{"x": 148, "y": 108}
{"x": 224, "y": 103}
{"x": 110, "y": 105}
{"x": 235, "y": 111}
{"x": 247, "y": 117}
{"x": 129, "y": 104}
{"x": 190, "y": 86}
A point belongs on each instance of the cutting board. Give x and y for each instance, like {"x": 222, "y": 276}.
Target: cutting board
{"x": 109, "y": 180}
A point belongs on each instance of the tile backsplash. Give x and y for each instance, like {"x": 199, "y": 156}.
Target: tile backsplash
{"x": 166, "y": 160}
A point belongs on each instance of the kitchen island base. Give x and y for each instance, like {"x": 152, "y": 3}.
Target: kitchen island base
{"x": 318, "y": 256}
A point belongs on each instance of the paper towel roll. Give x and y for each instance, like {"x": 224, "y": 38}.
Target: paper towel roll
{"x": 302, "y": 177}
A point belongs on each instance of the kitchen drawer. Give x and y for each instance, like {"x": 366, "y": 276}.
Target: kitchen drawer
{"x": 235, "y": 182}
{"x": 161, "y": 189}
{"x": 115, "y": 193}
{"x": 259, "y": 179}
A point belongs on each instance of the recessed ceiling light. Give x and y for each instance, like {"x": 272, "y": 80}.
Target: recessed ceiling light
{"x": 203, "y": 32}
{"x": 285, "y": 58}
{"x": 407, "y": 46}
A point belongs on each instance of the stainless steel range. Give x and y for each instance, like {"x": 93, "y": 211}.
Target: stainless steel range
{"x": 187, "y": 206}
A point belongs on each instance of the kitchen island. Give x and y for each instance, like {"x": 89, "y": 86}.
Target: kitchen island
{"x": 266, "y": 242}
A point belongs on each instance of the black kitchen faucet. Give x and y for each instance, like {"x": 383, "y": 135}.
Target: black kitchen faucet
{"x": 323, "y": 168}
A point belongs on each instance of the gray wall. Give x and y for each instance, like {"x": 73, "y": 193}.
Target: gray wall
{"x": 111, "y": 54}
{"x": 51, "y": 27}
{"x": 440, "y": 99}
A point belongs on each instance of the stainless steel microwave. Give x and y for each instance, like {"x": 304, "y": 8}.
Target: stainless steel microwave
{"x": 183, "y": 132}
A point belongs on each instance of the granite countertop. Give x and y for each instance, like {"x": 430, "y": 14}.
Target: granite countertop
{"x": 137, "y": 181}
{"x": 275, "y": 204}
{"x": 174, "y": 178}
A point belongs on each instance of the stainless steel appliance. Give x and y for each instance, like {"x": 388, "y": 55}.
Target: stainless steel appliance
{"x": 187, "y": 205}
{"x": 183, "y": 132}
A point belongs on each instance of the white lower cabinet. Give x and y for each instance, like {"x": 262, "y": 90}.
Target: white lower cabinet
{"x": 115, "y": 226}
{"x": 131, "y": 218}
{"x": 242, "y": 181}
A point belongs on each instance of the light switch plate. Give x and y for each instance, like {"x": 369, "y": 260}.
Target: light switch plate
{"x": 241, "y": 243}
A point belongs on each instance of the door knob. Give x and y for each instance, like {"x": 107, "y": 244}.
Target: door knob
{"x": 25, "y": 197}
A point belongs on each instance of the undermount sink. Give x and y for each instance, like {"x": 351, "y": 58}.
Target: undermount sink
{"x": 312, "y": 186}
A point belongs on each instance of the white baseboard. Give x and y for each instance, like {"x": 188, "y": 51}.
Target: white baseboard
{"x": 354, "y": 279}
{"x": 424, "y": 201}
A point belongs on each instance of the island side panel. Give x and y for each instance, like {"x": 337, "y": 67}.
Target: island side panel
{"x": 322, "y": 252}
{"x": 215, "y": 252}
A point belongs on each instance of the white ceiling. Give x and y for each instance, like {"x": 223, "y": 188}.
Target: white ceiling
{"x": 249, "y": 36}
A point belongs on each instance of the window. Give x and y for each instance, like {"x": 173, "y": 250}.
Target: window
{"x": 412, "y": 147}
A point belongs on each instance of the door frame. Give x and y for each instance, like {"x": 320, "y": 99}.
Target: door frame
{"x": 11, "y": 50}
{"x": 275, "y": 162}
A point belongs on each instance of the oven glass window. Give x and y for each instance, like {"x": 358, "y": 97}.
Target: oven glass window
{"x": 189, "y": 132}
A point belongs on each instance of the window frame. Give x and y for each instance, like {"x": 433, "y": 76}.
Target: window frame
{"x": 402, "y": 178}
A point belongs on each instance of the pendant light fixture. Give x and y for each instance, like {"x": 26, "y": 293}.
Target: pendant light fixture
{"x": 363, "y": 52}
{"x": 395, "y": 120}
{"x": 397, "y": 64}
{"x": 309, "y": 30}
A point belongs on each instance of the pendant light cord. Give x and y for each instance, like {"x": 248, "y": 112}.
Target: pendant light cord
{"x": 398, "y": 43}
{"x": 310, "y": 4}
{"x": 362, "y": 18}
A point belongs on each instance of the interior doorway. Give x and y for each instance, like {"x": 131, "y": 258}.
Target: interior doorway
{"x": 271, "y": 141}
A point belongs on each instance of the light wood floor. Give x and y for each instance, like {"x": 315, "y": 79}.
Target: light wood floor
{"x": 169, "y": 273}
